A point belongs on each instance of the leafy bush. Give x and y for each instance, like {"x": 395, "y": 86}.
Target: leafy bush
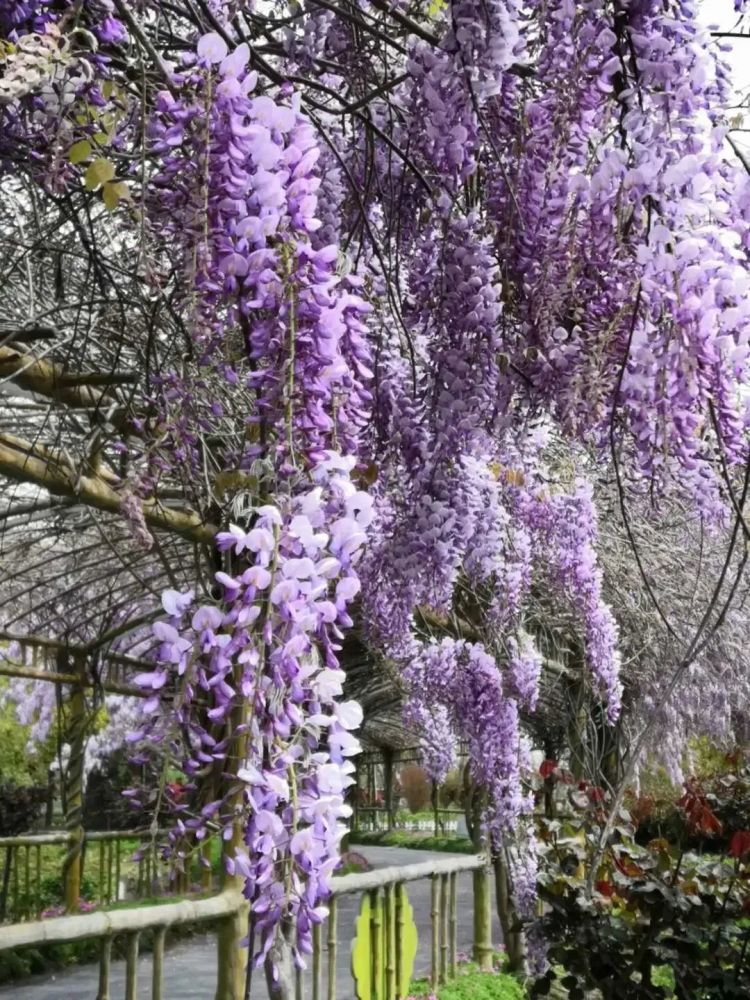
{"x": 104, "y": 805}
{"x": 473, "y": 985}
{"x": 416, "y": 787}
{"x": 19, "y": 808}
{"x": 417, "y": 841}
{"x": 723, "y": 780}
{"x": 653, "y": 907}
{"x": 451, "y": 791}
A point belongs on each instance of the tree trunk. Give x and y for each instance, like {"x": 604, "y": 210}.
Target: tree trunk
{"x": 509, "y": 920}
{"x": 49, "y": 808}
{"x": 388, "y": 782}
{"x": 73, "y": 863}
{"x": 8, "y": 865}
{"x": 232, "y": 957}
{"x": 279, "y": 966}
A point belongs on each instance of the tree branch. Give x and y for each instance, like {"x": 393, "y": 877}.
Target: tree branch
{"x": 48, "y": 379}
{"x": 21, "y": 461}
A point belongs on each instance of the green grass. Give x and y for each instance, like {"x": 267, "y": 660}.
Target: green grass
{"x": 474, "y": 985}
{"x": 416, "y": 840}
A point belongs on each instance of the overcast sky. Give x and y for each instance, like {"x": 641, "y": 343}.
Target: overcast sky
{"x": 720, "y": 14}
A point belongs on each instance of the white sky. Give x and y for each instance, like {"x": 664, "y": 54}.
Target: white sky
{"x": 720, "y": 14}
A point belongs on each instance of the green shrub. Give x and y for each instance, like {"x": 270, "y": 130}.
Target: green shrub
{"x": 474, "y": 985}
{"x": 451, "y": 791}
{"x": 416, "y": 841}
{"x": 662, "y": 920}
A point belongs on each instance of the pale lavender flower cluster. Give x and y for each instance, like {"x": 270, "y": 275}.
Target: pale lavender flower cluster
{"x": 252, "y": 162}
{"x": 450, "y": 84}
{"x": 464, "y": 683}
{"x": 653, "y": 209}
{"x": 271, "y": 644}
{"x": 566, "y": 525}
{"x": 437, "y": 740}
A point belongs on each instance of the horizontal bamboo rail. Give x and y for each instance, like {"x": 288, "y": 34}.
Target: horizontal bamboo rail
{"x": 22, "y": 893}
{"x": 44, "y": 839}
{"x": 103, "y": 923}
{"x": 378, "y": 879}
{"x": 385, "y": 888}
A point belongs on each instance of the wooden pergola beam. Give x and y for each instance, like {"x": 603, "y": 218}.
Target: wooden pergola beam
{"x": 25, "y": 462}
{"x": 51, "y": 380}
{"x": 54, "y": 677}
{"x": 57, "y": 645}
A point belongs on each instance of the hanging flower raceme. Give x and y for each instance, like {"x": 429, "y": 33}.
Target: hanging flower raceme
{"x": 650, "y": 207}
{"x": 269, "y": 649}
{"x": 462, "y": 683}
{"x": 279, "y": 334}
{"x": 565, "y": 525}
{"x": 450, "y": 84}
{"x": 256, "y": 282}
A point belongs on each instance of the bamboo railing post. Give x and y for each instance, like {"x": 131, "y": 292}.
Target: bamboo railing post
{"x": 443, "y": 976}
{"x": 105, "y": 960}
{"x": 332, "y": 915}
{"x": 5, "y": 887}
{"x": 118, "y": 849}
{"x": 131, "y": 967}
{"x": 390, "y": 942}
{"x": 317, "y": 964}
{"x": 435, "y": 917}
{"x": 109, "y": 871}
{"x": 27, "y": 905}
{"x": 38, "y": 881}
{"x": 376, "y": 951}
{"x": 453, "y": 925}
{"x": 74, "y": 784}
{"x": 399, "y": 893}
{"x": 16, "y": 889}
{"x": 482, "y": 920}
{"x": 102, "y": 881}
{"x": 298, "y": 987}
{"x": 157, "y": 978}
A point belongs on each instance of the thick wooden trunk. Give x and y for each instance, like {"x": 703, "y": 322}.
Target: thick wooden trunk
{"x": 513, "y": 936}
{"x": 279, "y": 966}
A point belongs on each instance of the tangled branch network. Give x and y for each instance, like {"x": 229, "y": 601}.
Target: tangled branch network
{"x": 323, "y": 313}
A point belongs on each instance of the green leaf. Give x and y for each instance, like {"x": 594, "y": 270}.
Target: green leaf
{"x": 99, "y": 172}
{"x": 80, "y": 151}
{"x": 113, "y": 193}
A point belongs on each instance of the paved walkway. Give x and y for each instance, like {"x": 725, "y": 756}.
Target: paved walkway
{"x": 189, "y": 967}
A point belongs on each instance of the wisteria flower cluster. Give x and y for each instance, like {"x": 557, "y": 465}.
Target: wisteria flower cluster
{"x": 269, "y": 647}
{"x": 411, "y": 268}
{"x": 462, "y": 682}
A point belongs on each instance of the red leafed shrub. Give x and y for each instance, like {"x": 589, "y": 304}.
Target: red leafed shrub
{"x": 701, "y": 818}
{"x": 415, "y": 787}
{"x": 547, "y": 768}
{"x": 739, "y": 845}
